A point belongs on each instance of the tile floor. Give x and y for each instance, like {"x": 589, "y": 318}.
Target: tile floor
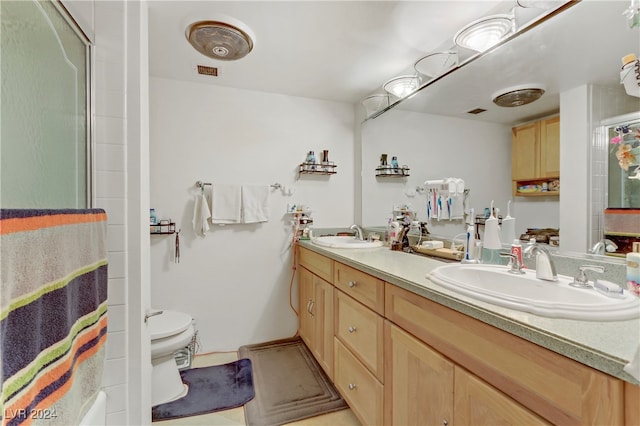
{"x": 235, "y": 416}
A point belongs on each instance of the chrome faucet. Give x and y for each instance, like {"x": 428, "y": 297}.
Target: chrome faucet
{"x": 602, "y": 246}
{"x": 359, "y": 233}
{"x": 514, "y": 263}
{"x": 581, "y": 280}
{"x": 545, "y": 268}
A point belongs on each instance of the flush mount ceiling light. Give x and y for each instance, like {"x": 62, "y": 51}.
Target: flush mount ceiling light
{"x": 402, "y": 86}
{"x": 518, "y": 96}
{"x": 484, "y": 33}
{"x": 220, "y": 40}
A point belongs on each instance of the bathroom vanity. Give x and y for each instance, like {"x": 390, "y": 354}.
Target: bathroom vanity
{"x": 402, "y": 350}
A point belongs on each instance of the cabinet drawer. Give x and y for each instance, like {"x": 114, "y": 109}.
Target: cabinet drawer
{"x": 363, "y": 287}
{"x": 361, "y": 330}
{"x": 559, "y": 389}
{"x": 318, "y": 264}
{"x": 358, "y": 386}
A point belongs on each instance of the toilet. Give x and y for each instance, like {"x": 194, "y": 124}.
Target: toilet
{"x": 170, "y": 332}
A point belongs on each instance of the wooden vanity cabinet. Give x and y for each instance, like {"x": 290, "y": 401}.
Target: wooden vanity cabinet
{"x": 535, "y": 154}
{"x": 315, "y": 301}
{"x": 399, "y": 358}
{"x": 555, "y": 388}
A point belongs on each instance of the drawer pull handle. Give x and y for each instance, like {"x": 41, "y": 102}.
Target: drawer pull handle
{"x": 352, "y": 386}
{"x": 352, "y": 284}
{"x": 445, "y": 423}
{"x": 351, "y": 329}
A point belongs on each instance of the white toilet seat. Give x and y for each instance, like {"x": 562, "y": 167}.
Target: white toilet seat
{"x": 168, "y": 323}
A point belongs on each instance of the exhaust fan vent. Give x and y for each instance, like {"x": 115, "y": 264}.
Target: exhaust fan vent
{"x": 219, "y": 40}
{"x": 518, "y": 96}
{"x": 204, "y": 70}
{"x": 476, "y": 111}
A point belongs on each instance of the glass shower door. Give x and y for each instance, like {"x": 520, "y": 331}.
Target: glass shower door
{"x": 44, "y": 118}
{"x": 624, "y": 163}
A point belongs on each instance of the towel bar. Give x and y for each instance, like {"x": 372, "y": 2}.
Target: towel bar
{"x": 201, "y": 184}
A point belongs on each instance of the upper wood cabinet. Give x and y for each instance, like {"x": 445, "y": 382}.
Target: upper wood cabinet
{"x": 535, "y": 154}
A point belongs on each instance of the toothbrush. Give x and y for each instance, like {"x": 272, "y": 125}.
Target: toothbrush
{"x": 429, "y": 206}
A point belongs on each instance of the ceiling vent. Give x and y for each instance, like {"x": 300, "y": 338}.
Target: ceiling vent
{"x": 204, "y": 70}
{"x": 518, "y": 96}
{"x": 476, "y": 111}
{"x": 220, "y": 40}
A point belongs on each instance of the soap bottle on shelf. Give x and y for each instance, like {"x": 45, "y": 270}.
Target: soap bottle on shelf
{"x": 153, "y": 218}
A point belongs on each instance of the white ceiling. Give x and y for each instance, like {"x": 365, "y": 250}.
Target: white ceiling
{"x": 334, "y": 50}
{"x": 345, "y": 50}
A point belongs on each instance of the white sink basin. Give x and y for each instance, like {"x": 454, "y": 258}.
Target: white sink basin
{"x": 494, "y": 284}
{"x": 343, "y": 241}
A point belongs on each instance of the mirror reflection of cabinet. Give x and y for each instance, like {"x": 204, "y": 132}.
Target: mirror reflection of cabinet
{"x": 535, "y": 153}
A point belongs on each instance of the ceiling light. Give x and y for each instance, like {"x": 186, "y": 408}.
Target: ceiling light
{"x": 402, "y": 86}
{"x": 518, "y": 96}
{"x": 484, "y": 33}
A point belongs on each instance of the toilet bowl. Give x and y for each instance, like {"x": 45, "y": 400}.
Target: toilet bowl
{"x": 170, "y": 331}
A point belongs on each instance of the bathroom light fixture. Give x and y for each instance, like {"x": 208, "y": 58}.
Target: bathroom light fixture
{"x": 436, "y": 63}
{"x": 220, "y": 40}
{"x": 484, "y": 33}
{"x": 402, "y": 86}
{"x": 518, "y": 95}
{"x": 375, "y": 103}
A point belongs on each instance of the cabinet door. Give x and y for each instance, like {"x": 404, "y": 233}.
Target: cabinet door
{"x": 477, "y": 403}
{"x": 322, "y": 312}
{"x": 305, "y": 300}
{"x": 550, "y": 147}
{"x": 524, "y": 151}
{"x": 418, "y": 381}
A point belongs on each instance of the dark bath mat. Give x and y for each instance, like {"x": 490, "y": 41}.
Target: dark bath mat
{"x": 290, "y": 384}
{"x": 211, "y": 389}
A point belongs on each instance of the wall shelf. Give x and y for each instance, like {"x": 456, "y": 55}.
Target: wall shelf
{"x": 162, "y": 228}
{"x": 317, "y": 168}
{"x": 392, "y": 172}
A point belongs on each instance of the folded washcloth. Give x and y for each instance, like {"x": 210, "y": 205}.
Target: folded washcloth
{"x": 255, "y": 203}
{"x": 201, "y": 215}
{"x": 633, "y": 367}
{"x": 226, "y": 204}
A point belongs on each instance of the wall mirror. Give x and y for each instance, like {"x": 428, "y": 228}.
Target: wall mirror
{"x": 435, "y": 133}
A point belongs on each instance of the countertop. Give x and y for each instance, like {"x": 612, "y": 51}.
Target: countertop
{"x": 605, "y": 346}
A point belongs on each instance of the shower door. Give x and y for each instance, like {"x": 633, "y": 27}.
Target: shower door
{"x": 45, "y": 108}
{"x": 623, "y": 172}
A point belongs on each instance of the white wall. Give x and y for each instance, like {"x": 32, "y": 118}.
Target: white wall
{"x": 235, "y": 281}
{"x": 437, "y": 147}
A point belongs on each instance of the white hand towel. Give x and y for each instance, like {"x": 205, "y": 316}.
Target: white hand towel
{"x": 633, "y": 367}
{"x": 201, "y": 215}
{"x": 226, "y": 204}
{"x": 255, "y": 203}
